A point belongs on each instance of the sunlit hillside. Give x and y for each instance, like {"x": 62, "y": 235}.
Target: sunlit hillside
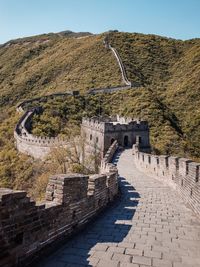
{"x": 167, "y": 70}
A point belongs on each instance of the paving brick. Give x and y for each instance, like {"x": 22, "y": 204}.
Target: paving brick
{"x": 102, "y": 254}
{"x": 142, "y": 260}
{"x": 125, "y": 264}
{"x": 108, "y": 263}
{"x": 100, "y": 247}
{"x": 142, "y": 246}
{"x": 121, "y": 257}
{"x": 116, "y": 249}
{"x": 132, "y": 251}
{"x": 93, "y": 261}
{"x": 161, "y": 226}
{"x": 152, "y": 254}
{"x": 126, "y": 245}
{"x": 172, "y": 256}
{"x": 160, "y": 248}
{"x": 180, "y": 264}
{"x": 161, "y": 263}
{"x": 191, "y": 260}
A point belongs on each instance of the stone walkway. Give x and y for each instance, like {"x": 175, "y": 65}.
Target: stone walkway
{"x": 149, "y": 226}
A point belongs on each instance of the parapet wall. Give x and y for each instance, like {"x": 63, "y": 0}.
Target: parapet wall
{"x": 121, "y": 124}
{"x": 180, "y": 173}
{"x": 121, "y": 65}
{"x": 126, "y": 127}
{"x": 93, "y": 123}
{"x": 71, "y": 201}
{"x": 106, "y": 166}
{"x": 35, "y": 146}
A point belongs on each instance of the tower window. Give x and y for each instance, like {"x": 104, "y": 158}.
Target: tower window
{"x": 90, "y": 137}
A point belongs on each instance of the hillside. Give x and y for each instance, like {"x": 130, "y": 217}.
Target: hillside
{"x": 167, "y": 70}
{"x": 57, "y": 63}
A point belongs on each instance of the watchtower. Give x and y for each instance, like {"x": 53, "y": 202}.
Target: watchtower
{"x": 101, "y": 132}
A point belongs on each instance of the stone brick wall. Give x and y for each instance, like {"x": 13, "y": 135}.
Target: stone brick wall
{"x": 180, "y": 173}
{"x": 101, "y": 132}
{"x": 37, "y": 147}
{"x": 71, "y": 201}
{"x": 105, "y": 162}
{"x": 121, "y": 65}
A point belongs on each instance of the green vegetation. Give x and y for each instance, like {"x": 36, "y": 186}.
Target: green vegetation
{"x": 58, "y": 116}
{"x": 167, "y": 70}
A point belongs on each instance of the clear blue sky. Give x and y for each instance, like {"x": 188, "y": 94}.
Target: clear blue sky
{"x": 172, "y": 18}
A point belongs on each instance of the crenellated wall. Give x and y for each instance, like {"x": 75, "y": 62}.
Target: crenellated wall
{"x": 105, "y": 162}
{"x": 101, "y": 132}
{"x": 71, "y": 201}
{"x": 180, "y": 173}
{"x": 35, "y": 146}
{"x": 98, "y": 132}
{"x": 39, "y": 147}
{"x": 121, "y": 65}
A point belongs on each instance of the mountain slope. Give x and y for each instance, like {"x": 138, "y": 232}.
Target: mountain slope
{"x": 55, "y": 64}
{"x": 167, "y": 70}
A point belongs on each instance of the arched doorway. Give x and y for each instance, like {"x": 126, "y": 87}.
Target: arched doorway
{"x": 126, "y": 140}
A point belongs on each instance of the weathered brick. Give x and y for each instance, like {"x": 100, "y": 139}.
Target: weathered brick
{"x": 142, "y": 260}
{"x": 163, "y": 263}
{"x": 131, "y": 251}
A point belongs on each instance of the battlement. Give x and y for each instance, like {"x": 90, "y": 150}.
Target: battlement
{"x": 38, "y": 140}
{"x": 101, "y": 132}
{"x": 71, "y": 201}
{"x": 94, "y": 123}
{"x": 105, "y": 166}
{"x": 180, "y": 173}
{"x": 35, "y": 146}
{"x": 114, "y": 124}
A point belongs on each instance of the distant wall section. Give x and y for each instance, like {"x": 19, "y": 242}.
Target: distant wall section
{"x": 37, "y": 147}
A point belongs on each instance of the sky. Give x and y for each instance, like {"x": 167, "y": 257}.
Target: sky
{"x": 178, "y": 19}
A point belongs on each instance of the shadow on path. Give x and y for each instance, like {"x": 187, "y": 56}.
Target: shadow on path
{"x": 100, "y": 238}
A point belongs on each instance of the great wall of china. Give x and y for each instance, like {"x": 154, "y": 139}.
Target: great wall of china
{"x": 158, "y": 227}
{"x": 35, "y": 146}
{"x": 71, "y": 201}
{"x": 40, "y": 147}
{"x": 181, "y": 174}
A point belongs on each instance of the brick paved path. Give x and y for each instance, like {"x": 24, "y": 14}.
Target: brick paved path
{"x": 149, "y": 226}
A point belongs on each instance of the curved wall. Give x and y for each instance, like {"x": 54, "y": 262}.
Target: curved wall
{"x": 39, "y": 147}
